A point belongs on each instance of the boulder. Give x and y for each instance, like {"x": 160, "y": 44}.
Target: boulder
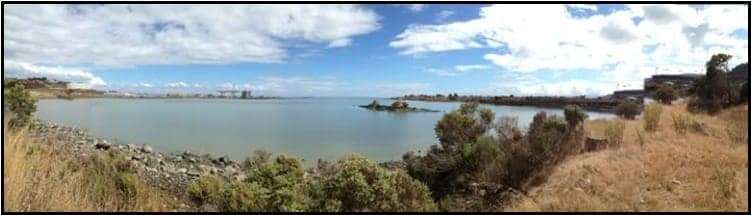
{"x": 102, "y": 145}
{"x": 146, "y": 149}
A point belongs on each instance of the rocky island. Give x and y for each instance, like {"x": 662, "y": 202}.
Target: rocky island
{"x": 397, "y": 106}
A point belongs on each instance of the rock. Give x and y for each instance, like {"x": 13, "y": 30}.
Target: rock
{"x": 193, "y": 160}
{"x": 182, "y": 170}
{"x": 225, "y": 159}
{"x": 102, "y": 145}
{"x": 138, "y": 157}
{"x": 150, "y": 169}
{"x": 146, "y": 149}
{"x": 193, "y": 173}
{"x": 676, "y": 182}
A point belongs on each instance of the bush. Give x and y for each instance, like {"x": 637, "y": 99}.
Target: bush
{"x": 283, "y": 184}
{"x": 574, "y": 115}
{"x": 652, "y": 116}
{"x": 21, "y": 105}
{"x": 614, "y": 131}
{"x": 628, "y": 109}
{"x": 665, "y": 94}
{"x": 126, "y": 183}
{"x": 507, "y": 128}
{"x": 744, "y": 93}
{"x": 684, "y": 122}
{"x": 362, "y": 185}
{"x": 245, "y": 197}
{"x": 206, "y": 190}
{"x": 463, "y": 126}
{"x": 713, "y": 90}
{"x": 259, "y": 158}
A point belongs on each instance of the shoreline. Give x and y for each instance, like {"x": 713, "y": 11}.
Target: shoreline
{"x": 171, "y": 171}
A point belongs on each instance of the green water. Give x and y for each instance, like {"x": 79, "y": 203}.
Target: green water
{"x": 309, "y": 128}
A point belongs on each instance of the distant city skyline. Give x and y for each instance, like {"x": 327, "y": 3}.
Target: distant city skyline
{"x": 368, "y": 50}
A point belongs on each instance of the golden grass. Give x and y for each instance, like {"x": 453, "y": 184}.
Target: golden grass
{"x": 670, "y": 172}
{"x": 46, "y": 177}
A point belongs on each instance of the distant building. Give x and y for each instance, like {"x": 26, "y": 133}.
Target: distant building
{"x": 681, "y": 82}
{"x": 637, "y": 95}
{"x": 245, "y": 94}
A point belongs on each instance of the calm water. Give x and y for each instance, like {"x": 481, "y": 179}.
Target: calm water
{"x": 308, "y": 128}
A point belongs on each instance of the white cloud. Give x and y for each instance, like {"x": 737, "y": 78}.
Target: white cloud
{"x": 590, "y": 7}
{"x": 178, "y": 84}
{"x": 403, "y": 88}
{"x": 142, "y": 85}
{"x": 414, "y": 7}
{"x": 540, "y": 38}
{"x": 465, "y": 68}
{"x": 443, "y": 15}
{"x": 78, "y": 78}
{"x": 286, "y": 86}
{"x": 131, "y": 35}
{"x": 458, "y": 70}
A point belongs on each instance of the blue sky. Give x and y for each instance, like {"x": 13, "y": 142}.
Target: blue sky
{"x": 368, "y": 50}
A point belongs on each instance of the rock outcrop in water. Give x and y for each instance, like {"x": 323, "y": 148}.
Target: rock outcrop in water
{"x": 397, "y": 106}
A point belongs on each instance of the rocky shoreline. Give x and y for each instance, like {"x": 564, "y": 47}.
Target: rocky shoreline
{"x": 172, "y": 172}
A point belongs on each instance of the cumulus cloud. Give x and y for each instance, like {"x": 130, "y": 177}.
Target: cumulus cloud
{"x": 132, "y": 35}
{"x": 282, "y": 85}
{"x": 443, "y": 15}
{"x": 458, "y": 70}
{"x": 414, "y": 7}
{"x": 178, "y": 84}
{"x": 668, "y": 37}
{"x": 78, "y": 78}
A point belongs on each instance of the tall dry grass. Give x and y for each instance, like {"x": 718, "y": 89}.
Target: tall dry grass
{"x": 47, "y": 177}
{"x": 672, "y": 171}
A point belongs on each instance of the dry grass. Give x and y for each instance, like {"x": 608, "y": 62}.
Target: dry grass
{"x": 671, "y": 172}
{"x": 45, "y": 177}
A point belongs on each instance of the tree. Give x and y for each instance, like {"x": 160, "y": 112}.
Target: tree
{"x": 713, "y": 89}
{"x": 21, "y": 105}
{"x": 574, "y": 115}
{"x": 665, "y": 94}
{"x": 463, "y": 126}
{"x": 627, "y": 109}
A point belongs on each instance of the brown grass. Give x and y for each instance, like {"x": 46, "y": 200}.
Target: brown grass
{"x": 671, "y": 172}
{"x": 46, "y": 177}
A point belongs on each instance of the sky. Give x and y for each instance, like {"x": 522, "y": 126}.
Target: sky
{"x": 368, "y": 50}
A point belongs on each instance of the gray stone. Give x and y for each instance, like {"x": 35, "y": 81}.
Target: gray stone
{"x": 146, "y": 149}
{"x": 102, "y": 145}
{"x": 182, "y": 170}
{"x": 193, "y": 173}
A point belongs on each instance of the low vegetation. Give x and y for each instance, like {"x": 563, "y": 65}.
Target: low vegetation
{"x": 662, "y": 171}
{"x": 665, "y": 94}
{"x": 20, "y": 103}
{"x": 46, "y": 177}
{"x": 652, "y": 115}
{"x": 628, "y": 109}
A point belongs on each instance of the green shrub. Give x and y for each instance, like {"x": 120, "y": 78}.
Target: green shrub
{"x": 713, "y": 90}
{"x": 206, "y": 190}
{"x": 362, "y": 185}
{"x": 283, "y": 180}
{"x": 21, "y": 105}
{"x": 665, "y": 94}
{"x": 628, "y": 109}
{"x": 652, "y": 116}
{"x": 574, "y": 115}
{"x": 245, "y": 197}
{"x": 463, "y": 126}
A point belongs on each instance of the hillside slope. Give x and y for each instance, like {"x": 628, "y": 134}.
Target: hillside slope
{"x": 669, "y": 172}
